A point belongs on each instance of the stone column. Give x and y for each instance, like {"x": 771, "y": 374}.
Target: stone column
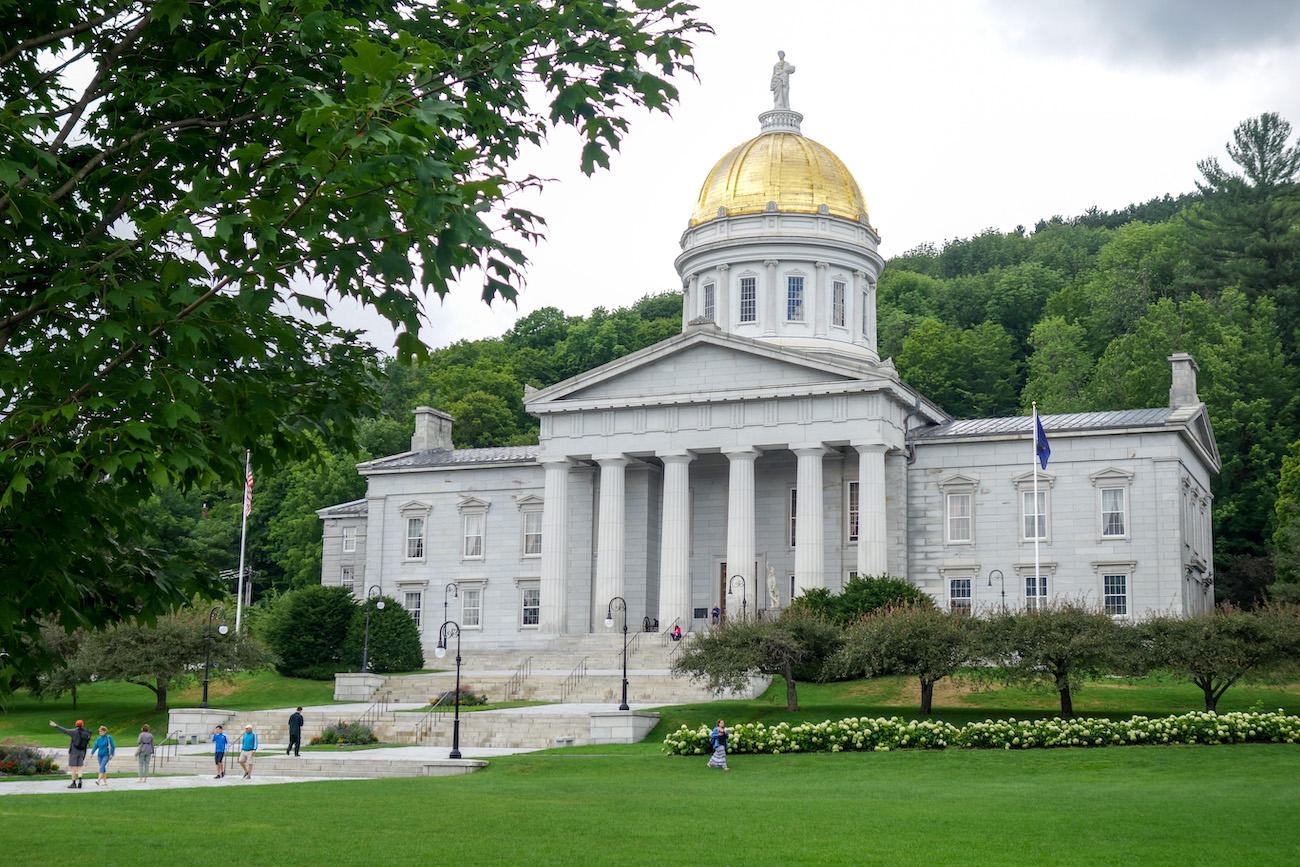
{"x": 675, "y": 543}
{"x": 873, "y": 552}
{"x": 809, "y": 533}
{"x": 555, "y": 545}
{"x": 689, "y": 301}
{"x": 611, "y": 529}
{"x": 820, "y": 301}
{"x": 723, "y": 301}
{"x": 740, "y": 519}
{"x": 773, "y": 296}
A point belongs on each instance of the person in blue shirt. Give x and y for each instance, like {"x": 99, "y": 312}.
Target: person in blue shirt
{"x": 247, "y": 749}
{"x": 220, "y": 741}
{"x": 105, "y": 749}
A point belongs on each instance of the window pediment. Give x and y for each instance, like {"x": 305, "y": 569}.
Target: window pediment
{"x": 1111, "y": 477}
{"x": 958, "y": 483}
{"x": 415, "y": 508}
{"x": 1026, "y": 479}
{"x": 472, "y": 504}
{"x": 530, "y": 503}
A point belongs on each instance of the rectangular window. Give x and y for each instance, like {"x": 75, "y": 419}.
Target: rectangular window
{"x": 1035, "y": 593}
{"x": 474, "y": 536}
{"x": 748, "y": 299}
{"x": 1112, "y": 511}
{"x": 959, "y": 518}
{"x": 415, "y": 538}
{"x": 852, "y": 511}
{"x": 1115, "y": 594}
{"x": 412, "y": 605}
{"x": 959, "y": 597}
{"x": 347, "y": 578}
{"x": 794, "y": 299}
{"x": 349, "y": 539}
{"x": 1035, "y": 514}
{"x": 532, "y": 534}
{"x": 471, "y": 608}
{"x": 709, "y": 301}
{"x": 837, "y": 303}
{"x": 530, "y": 606}
{"x": 794, "y": 510}
{"x": 866, "y": 316}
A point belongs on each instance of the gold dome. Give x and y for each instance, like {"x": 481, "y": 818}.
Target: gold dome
{"x": 795, "y": 172}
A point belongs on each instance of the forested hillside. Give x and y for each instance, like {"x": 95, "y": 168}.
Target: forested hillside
{"x": 1079, "y": 314}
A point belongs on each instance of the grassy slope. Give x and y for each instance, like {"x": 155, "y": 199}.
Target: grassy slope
{"x": 1136, "y": 805}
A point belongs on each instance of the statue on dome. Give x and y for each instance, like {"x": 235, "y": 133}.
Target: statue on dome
{"x": 780, "y": 86}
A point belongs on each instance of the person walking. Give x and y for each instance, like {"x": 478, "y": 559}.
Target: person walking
{"x": 719, "y": 740}
{"x": 295, "y": 732}
{"x": 220, "y": 742}
{"x": 144, "y": 752}
{"x": 104, "y": 749}
{"x": 79, "y": 739}
{"x": 247, "y": 750}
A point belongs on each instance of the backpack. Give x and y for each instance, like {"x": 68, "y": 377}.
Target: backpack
{"x": 80, "y": 739}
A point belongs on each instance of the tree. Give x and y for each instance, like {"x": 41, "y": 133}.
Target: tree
{"x": 727, "y": 656}
{"x": 394, "y": 639}
{"x": 166, "y": 655}
{"x": 1055, "y": 647}
{"x": 861, "y": 595}
{"x": 1225, "y": 646}
{"x": 176, "y": 222}
{"x": 913, "y": 639}
{"x": 1059, "y": 370}
{"x": 307, "y": 628}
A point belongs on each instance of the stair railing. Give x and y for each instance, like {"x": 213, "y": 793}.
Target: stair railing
{"x": 570, "y": 683}
{"x": 515, "y": 685}
{"x": 371, "y": 716}
{"x": 667, "y": 635}
{"x": 432, "y": 716}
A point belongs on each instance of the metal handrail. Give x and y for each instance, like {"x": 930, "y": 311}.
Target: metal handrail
{"x": 634, "y": 642}
{"x": 667, "y": 634}
{"x": 165, "y": 750}
{"x": 516, "y": 682}
{"x": 372, "y": 713}
{"x": 570, "y": 683}
{"x": 424, "y": 726}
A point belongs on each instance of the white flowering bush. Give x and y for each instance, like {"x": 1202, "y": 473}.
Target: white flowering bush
{"x": 861, "y": 734}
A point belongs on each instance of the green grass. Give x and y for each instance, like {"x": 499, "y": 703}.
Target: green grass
{"x": 124, "y": 707}
{"x": 1133, "y": 805}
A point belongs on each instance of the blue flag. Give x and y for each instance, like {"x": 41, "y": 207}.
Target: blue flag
{"x": 1040, "y": 442}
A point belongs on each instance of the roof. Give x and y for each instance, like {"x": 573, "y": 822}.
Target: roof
{"x": 1121, "y": 419}
{"x": 354, "y": 509}
{"x": 452, "y": 458}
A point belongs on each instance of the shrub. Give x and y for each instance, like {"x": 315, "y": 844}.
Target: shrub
{"x": 881, "y": 735}
{"x": 861, "y": 595}
{"x": 467, "y": 697}
{"x": 346, "y": 733}
{"x": 306, "y": 629}
{"x": 21, "y": 758}
{"x": 394, "y": 639}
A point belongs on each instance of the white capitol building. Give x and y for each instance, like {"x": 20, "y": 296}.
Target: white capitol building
{"x": 768, "y": 449}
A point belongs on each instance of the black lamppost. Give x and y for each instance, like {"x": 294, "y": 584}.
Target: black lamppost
{"x": 609, "y": 623}
{"x": 365, "y": 648}
{"x": 1003, "y": 579}
{"x": 455, "y": 594}
{"x": 207, "y": 660}
{"x": 440, "y": 651}
{"x": 744, "y": 593}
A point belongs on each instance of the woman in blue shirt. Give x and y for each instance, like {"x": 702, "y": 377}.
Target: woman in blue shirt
{"x": 105, "y": 749}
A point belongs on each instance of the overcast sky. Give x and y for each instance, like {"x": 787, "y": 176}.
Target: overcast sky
{"x": 953, "y": 116}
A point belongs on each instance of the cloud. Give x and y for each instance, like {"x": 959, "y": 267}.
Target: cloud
{"x": 1152, "y": 32}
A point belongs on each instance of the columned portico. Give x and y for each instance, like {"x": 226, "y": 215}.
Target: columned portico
{"x": 741, "y": 551}
{"x": 555, "y": 544}
{"x": 873, "y": 555}
{"x": 675, "y": 543}
{"x": 809, "y": 544}
{"x": 611, "y": 529}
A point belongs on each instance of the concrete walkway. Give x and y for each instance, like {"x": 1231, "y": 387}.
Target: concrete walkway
{"x": 125, "y": 760}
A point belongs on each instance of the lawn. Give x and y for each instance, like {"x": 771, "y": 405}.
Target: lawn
{"x": 1135, "y": 805}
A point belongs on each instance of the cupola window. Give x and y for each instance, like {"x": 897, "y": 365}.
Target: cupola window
{"x": 710, "y": 308}
{"x": 794, "y": 299}
{"x": 837, "y": 303}
{"x": 748, "y": 299}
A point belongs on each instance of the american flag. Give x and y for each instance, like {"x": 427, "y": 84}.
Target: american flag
{"x": 248, "y": 489}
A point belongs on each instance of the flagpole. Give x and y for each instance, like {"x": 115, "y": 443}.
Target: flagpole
{"x": 1033, "y": 436}
{"x": 243, "y": 534}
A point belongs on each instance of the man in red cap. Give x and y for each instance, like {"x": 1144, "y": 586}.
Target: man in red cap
{"x": 79, "y": 740}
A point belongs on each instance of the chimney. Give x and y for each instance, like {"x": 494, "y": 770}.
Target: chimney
{"x": 432, "y": 430}
{"x": 1182, "y": 392}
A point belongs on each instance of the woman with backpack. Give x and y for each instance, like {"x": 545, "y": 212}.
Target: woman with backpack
{"x": 105, "y": 749}
{"x": 718, "y": 738}
{"x": 79, "y": 739}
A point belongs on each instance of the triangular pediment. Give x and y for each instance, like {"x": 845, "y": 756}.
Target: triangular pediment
{"x": 706, "y": 361}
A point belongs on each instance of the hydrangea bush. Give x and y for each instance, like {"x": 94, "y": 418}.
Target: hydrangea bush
{"x": 861, "y": 734}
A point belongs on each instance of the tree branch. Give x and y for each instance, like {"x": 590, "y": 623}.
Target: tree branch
{"x": 38, "y": 41}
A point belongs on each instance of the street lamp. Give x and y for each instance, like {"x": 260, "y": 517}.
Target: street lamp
{"x": 455, "y": 593}
{"x": 365, "y": 648}
{"x": 609, "y": 624}
{"x": 1003, "y": 579}
{"x": 440, "y": 651}
{"x": 207, "y": 660}
{"x": 744, "y": 593}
